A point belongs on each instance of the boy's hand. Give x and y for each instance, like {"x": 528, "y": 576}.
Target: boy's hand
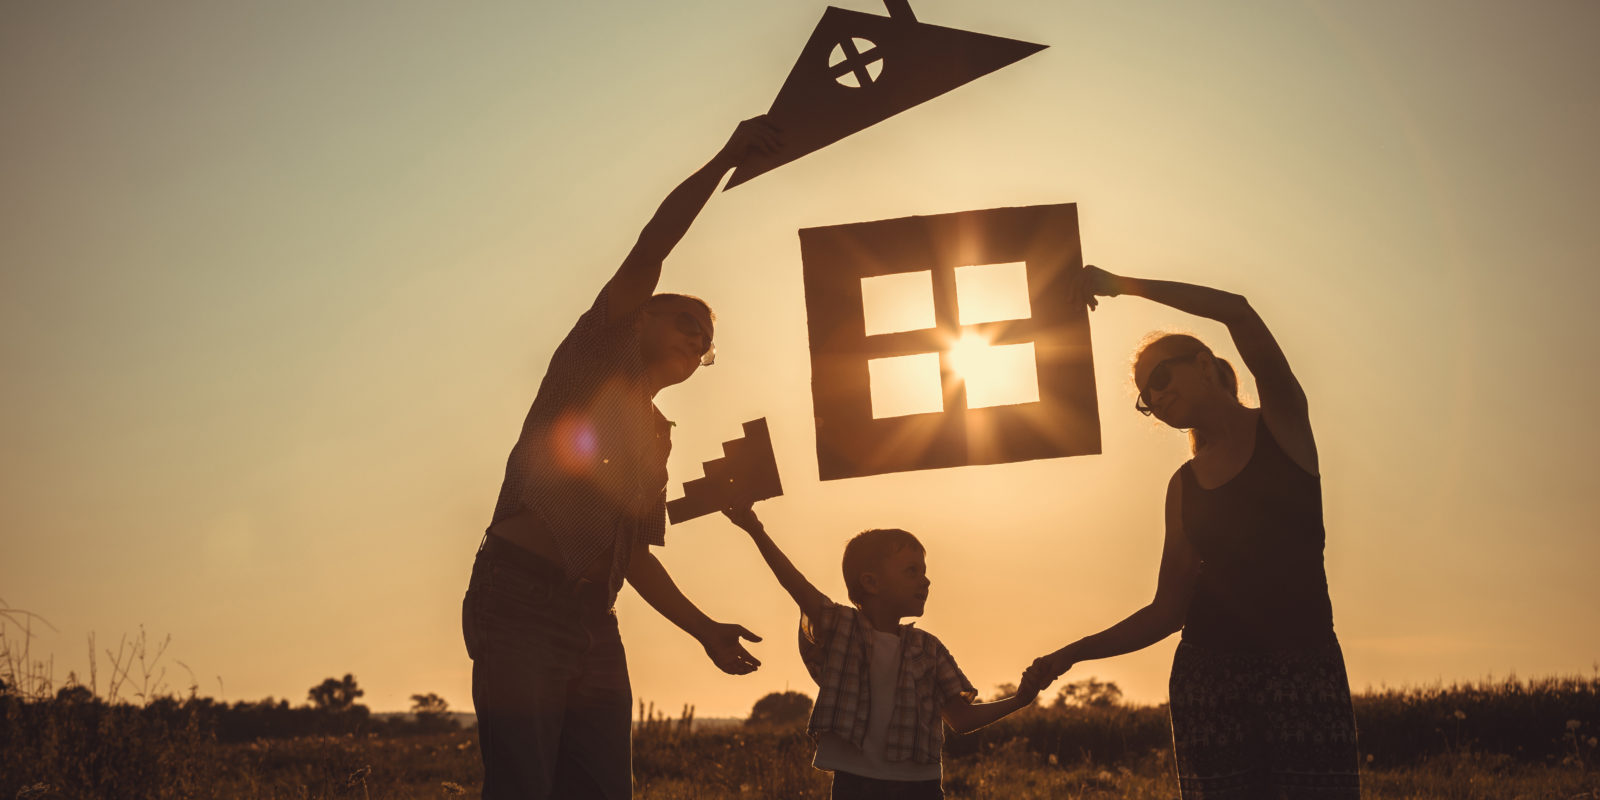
{"x": 1033, "y": 682}
{"x": 743, "y": 516}
{"x": 1028, "y": 688}
{"x": 721, "y": 641}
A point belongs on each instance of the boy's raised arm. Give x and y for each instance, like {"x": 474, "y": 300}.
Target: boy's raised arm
{"x": 808, "y": 597}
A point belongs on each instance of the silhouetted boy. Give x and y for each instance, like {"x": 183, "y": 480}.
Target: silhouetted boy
{"x": 884, "y": 690}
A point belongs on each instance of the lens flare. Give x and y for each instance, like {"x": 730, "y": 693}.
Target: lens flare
{"x": 573, "y": 441}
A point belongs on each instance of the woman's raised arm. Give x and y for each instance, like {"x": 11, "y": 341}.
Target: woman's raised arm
{"x": 1283, "y": 401}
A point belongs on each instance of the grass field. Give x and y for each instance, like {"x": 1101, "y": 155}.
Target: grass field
{"x": 712, "y": 766}
{"x": 1505, "y": 739}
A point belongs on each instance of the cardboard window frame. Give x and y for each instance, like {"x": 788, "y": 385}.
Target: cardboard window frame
{"x": 850, "y": 442}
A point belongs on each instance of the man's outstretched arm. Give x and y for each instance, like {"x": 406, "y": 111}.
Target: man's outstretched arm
{"x": 636, "y": 279}
{"x": 720, "y": 639}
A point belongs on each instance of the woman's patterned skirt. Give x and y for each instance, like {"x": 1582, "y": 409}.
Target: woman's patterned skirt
{"x": 1263, "y": 725}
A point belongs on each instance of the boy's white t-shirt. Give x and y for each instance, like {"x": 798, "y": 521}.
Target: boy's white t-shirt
{"x": 835, "y": 753}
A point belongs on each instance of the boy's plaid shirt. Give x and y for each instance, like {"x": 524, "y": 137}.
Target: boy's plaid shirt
{"x": 835, "y": 649}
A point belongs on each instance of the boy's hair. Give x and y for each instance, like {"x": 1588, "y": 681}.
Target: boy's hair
{"x": 867, "y": 550}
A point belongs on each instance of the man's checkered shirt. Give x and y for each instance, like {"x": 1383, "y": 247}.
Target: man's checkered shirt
{"x": 592, "y": 457}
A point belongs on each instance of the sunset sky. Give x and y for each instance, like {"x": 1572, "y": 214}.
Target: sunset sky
{"x": 278, "y": 282}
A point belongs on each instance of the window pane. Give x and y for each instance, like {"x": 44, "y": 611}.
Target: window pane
{"x": 999, "y": 375}
{"x": 905, "y": 385}
{"x": 899, "y": 302}
{"x": 992, "y": 292}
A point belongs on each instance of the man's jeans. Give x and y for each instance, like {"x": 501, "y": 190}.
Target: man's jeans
{"x": 549, "y": 680}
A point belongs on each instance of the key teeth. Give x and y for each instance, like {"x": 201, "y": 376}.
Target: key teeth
{"x": 747, "y": 472}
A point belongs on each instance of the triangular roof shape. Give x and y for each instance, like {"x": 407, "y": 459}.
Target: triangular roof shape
{"x": 880, "y": 66}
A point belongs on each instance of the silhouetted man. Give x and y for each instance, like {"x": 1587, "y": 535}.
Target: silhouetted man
{"x": 583, "y": 499}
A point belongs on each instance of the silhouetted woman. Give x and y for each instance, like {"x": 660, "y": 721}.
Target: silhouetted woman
{"x": 1259, "y": 697}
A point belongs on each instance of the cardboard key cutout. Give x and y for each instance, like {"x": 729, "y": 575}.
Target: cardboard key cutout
{"x": 860, "y": 69}
{"x": 747, "y": 472}
{"x": 1039, "y": 244}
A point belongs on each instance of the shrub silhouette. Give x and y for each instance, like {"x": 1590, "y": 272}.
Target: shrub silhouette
{"x": 1090, "y": 693}
{"x": 75, "y": 694}
{"x": 780, "y": 709}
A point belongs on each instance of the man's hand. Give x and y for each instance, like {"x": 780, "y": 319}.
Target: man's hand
{"x": 635, "y": 280}
{"x": 754, "y": 135}
{"x": 721, "y": 641}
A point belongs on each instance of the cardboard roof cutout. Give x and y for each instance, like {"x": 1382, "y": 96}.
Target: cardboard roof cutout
{"x": 860, "y": 69}
{"x": 747, "y": 472}
{"x": 1064, "y": 420}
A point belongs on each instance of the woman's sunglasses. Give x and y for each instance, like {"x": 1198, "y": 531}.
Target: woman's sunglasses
{"x": 1158, "y": 380}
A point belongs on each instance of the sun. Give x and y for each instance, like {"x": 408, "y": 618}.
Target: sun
{"x": 995, "y": 375}
{"x": 968, "y": 354}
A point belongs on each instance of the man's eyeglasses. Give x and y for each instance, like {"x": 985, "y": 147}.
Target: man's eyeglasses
{"x": 688, "y": 325}
{"x": 1158, "y": 380}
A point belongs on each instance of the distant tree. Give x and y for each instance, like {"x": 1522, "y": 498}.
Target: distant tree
{"x": 429, "y": 704}
{"x": 780, "y": 709}
{"x": 335, "y": 694}
{"x": 1089, "y": 693}
{"x": 432, "y": 713}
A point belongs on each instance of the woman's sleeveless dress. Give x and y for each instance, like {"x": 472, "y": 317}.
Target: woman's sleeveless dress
{"x": 1259, "y": 697}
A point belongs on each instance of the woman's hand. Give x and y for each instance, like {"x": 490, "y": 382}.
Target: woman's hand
{"x": 1045, "y": 669}
{"x": 1091, "y": 282}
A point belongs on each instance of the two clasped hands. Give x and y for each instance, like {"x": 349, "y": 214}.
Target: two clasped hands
{"x": 1043, "y": 671}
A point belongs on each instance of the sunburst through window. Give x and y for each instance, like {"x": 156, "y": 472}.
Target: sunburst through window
{"x": 948, "y": 340}
{"x": 992, "y": 374}
{"x": 995, "y": 375}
